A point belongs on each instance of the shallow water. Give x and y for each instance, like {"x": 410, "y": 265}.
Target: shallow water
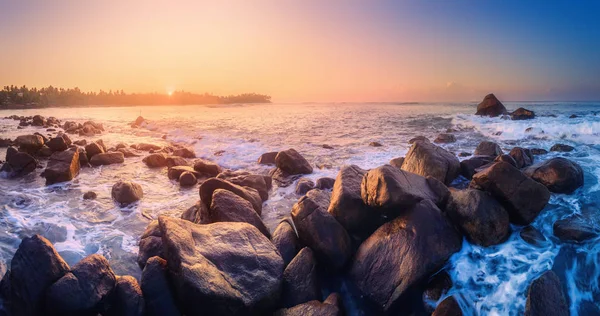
{"x": 489, "y": 280}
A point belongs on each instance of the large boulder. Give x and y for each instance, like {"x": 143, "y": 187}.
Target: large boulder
{"x": 128, "y": 299}
{"x": 249, "y": 194}
{"x": 545, "y": 297}
{"x": 401, "y": 255}
{"x": 206, "y": 167}
{"x": 490, "y": 106}
{"x": 346, "y": 204}
{"x": 221, "y": 268}
{"x": 521, "y": 196}
{"x": 29, "y": 143}
{"x": 522, "y": 114}
{"x": 84, "y": 290}
{"x": 260, "y": 183}
{"x": 57, "y": 144}
{"x": 126, "y": 192}
{"x": 286, "y": 241}
{"x": 478, "y": 216}
{"x": 559, "y": 175}
{"x": 62, "y": 166}
{"x": 107, "y": 159}
{"x": 487, "y": 148}
{"x": 18, "y": 164}
{"x": 427, "y": 159}
{"x": 300, "y": 280}
{"x": 522, "y": 156}
{"x": 157, "y": 160}
{"x": 292, "y": 163}
{"x": 227, "y": 206}
{"x": 156, "y": 289}
{"x": 34, "y": 268}
{"x": 150, "y": 244}
{"x": 320, "y": 231}
{"x": 93, "y": 149}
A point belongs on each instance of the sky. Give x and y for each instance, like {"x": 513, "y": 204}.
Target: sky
{"x": 308, "y": 50}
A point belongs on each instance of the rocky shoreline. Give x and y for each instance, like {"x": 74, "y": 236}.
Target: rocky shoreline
{"x": 388, "y": 231}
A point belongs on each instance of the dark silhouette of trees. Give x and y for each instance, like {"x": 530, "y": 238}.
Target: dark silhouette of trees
{"x": 12, "y": 96}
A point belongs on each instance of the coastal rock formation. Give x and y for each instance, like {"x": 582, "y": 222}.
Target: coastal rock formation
{"x": 62, "y": 166}
{"x": 292, "y": 163}
{"x": 127, "y": 192}
{"x": 221, "y": 268}
{"x": 478, "y": 216}
{"x": 150, "y": 244}
{"x": 208, "y": 168}
{"x": 427, "y": 159}
{"x": 107, "y": 159}
{"x": 128, "y": 299}
{"x": 175, "y": 172}
{"x": 521, "y": 196}
{"x": 93, "y": 149}
{"x": 445, "y": 139}
{"x": 522, "y": 156}
{"x": 324, "y": 183}
{"x": 304, "y": 185}
{"x": 402, "y": 254}
{"x": 156, "y": 289}
{"x": 158, "y": 160}
{"x": 260, "y": 183}
{"x": 226, "y": 206}
{"x": 559, "y": 175}
{"x": 545, "y": 297}
{"x": 300, "y": 280}
{"x": 487, "y": 148}
{"x": 286, "y": 241}
{"x": 468, "y": 167}
{"x": 522, "y": 114}
{"x": 29, "y": 143}
{"x": 174, "y": 161}
{"x": 267, "y": 158}
{"x": 575, "y": 228}
{"x": 249, "y": 194}
{"x": 18, "y": 164}
{"x": 330, "y": 307}
{"x": 187, "y": 179}
{"x": 490, "y": 106}
{"x": 562, "y": 148}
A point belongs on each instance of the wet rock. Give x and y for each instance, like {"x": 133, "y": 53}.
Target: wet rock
{"x": 538, "y": 151}
{"x": 107, "y": 159}
{"x": 304, "y": 185}
{"x": 155, "y": 160}
{"x": 173, "y": 161}
{"x": 93, "y": 149}
{"x": 522, "y": 114}
{"x": 187, "y": 179}
{"x": 81, "y": 142}
{"x": 418, "y": 139}
{"x": 448, "y": 307}
{"x": 320, "y": 231}
{"x": 127, "y": 153}
{"x": 226, "y": 206}
{"x": 397, "y": 162}
{"x": 126, "y": 192}
{"x": 479, "y": 217}
{"x": 375, "y": 144}
{"x": 292, "y": 163}
{"x": 45, "y": 151}
{"x": 464, "y": 154}
{"x": 286, "y": 241}
{"x": 402, "y": 254}
{"x": 62, "y": 166}
{"x": 150, "y": 244}
{"x": 57, "y": 144}
{"x": 29, "y": 143}
{"x": 156, "y": 289}
{"x": 184, "y": 152}
{"x": 18, "y": 164}
{"x": 487, "y": 148}
{"x": 532, "y": 236}
{"x": 300, "y": 280}
{"x": 521, "y": 196}
{"x": 249, "y": 194}
{"x": 327, "y": 146}
{"x": 34, "y": 268}
{"x": 260, "y": 183}
{"x": 175, "y": 172}
{"x": 38, "y": 120}
{"x": 312, "y": 308}
{"x": 282, "y": 178}
{"x": 83, "y": 160}
{"x": 138, "y": 122}
{"x": 90, "y": 195}
{"x": 427, "y": 159}
{"x": 325, "y": 183}
{"x": 522, "y": 157}
{"x": 445, "y": 139}
{"x": 575, "y": 228}
{"x": 559, "y": 175}
{"x": 490, "y": 106}
{"x": 145, "y": 147}
{"x": 5, "y": 142}
{"x": 438, "y": 285}
{"x": 10, "y": 151}
{"x": 562, "y": 148}
{"x": 85, "y": 289}
{"x": 545, "y": 297}
{"x": 128, "y": 299}
{"x": 347, "y": 206}
{"x": 268, "y": 158}
{"x": 208, "y": 168}
{"x": 505, "y": 158}
{"x": 221, "y": 268}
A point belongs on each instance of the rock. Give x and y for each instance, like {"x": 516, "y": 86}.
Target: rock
{"x": 156, "y": 289}
{"x": 397, "y": 162}
{"x": 184, "y": 152}
{"x": 138, "y": 122}
{"x": 538, "y": 151}
{"x": 347, "y": 206}
{"x": 83, "y": 160}
{"x": 522, "y": 114}
{"x": 438, "y": 285}
{"x": 260, "y": 183}
{"x": 325, "y": 183}
{"x": 418, "y": 139}
{"x": 62, "y": 166}
{"x": 312, "y": 308}
{"x": 90, "y": 195}
{"x": 573, "y": 116}
{"x": 532, "y": 236}
{"x": 226, "y": 206}
{"x": 505, "y": 158}
{"x": 249, "y": 194}
{"x": 325, "y": 146}
{"x": 187, "y": 179}
{"x": 93, "y": 149}
{"x": 521, "y": 196}
{"x": 10, "y": 151}
{"x": 464, "y": 154}
{"x": 300, "y": 280}
{"x": 38, "y": 120}
{"x": 175, "y": 172}
{"x": 120, "y": 146}
{"x": 490, "y": 106}
{"x": 128, "y": 153}
{"x": 562, "y": 148}
{"x": 34, "y": 268}
{"x": 545, "y": 297}
{"x": 268, "y": 158}
{"x": 487, "y": 148}
{"x": 208, "y": 168}
{"x": 445, "y": 139}
{"x": 282, "y": 178}
{"x": 468, "y": 167}
{"x": 292, "y": 163}
{"x": 479, "y": 217}
{"x": 145, "y": 147}
{"x": 321, "y": 197}
{"x": 57, "y": 144}
{"x": 173, "y": 161}
{"x": 107, "y": 159}
{"x": 304, "y": 185}
{"x": 221, "y": 268}
{"x": 85, "y": 289}
{"x": 126, "y": 192}
{"x": 559, "y": 175}
{"x": 81, "y": 142}
{"x": 18, "y": 164}
{"x": 150, "y": 244}
{"x": 5, "y": 142}
{"x": 427, "y": 159}
{"x": 320, "y": 231}
{"x": 375, "y": 144}
{"x": 29, "y": 143}
{"x": 155, "y": 160}
{"x": 45, "y": 151}
{"x": 402, "y": 254}
{"x": 448, "y": 307}
{"x": 522, "y": 157}
{"x": 575, "y": 228}
{"x": 128, "y": 299}
{"x": 286, "y": 241}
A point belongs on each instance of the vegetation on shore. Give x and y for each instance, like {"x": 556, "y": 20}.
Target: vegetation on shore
{"x": 13, "y": 97}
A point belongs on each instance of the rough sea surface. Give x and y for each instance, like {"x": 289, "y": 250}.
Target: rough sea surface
{"x": 487, "y": 281}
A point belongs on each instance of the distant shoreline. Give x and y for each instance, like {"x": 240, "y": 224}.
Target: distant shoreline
{"x": 33, "y": 107}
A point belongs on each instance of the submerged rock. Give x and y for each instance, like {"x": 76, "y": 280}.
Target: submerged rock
{"x": 522, "y": 114}
{"x": 490, "y": 106}
{"x": 90, "y": 195}
{"x": 538, "y": 151}
{"x": 375, "y": 144}
{"x": 545, "y": 297}
{"x": 300, "y": 280}
{"x": 487, "y": 148}
{"x": 575, "y": 228}
{"x": 127, "y": 192}
{"x": 559, "y": 175}
{"x": 445, "y": 139}
{"x": 562, "y": 148}
{"x": 292, "y": 163}
{"x": 156, "y": 289}
{"x": 62, "y": 166}
{"x": 532, "y": 236}
{"x": 427, "y": 159}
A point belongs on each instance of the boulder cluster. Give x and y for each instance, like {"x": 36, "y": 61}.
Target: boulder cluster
{"x": 491, "y": 106}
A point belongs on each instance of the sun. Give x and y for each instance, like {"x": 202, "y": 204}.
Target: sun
{"x": 170, "y": 93}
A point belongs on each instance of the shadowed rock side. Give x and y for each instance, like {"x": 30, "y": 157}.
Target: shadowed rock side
{"x": 490, "y": 106}
{"x": 545, "y": 297}
{"x": 62, "y": 166}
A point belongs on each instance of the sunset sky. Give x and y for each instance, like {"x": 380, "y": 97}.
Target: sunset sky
{"x": 309, "y": 50}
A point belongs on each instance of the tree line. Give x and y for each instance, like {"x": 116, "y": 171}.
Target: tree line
{"x": 12, "y": 96}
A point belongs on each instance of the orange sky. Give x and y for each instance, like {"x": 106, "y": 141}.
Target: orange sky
{"x": 292, "y": 50}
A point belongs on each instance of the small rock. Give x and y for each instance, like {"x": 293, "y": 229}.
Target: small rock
{"x": 375, "y": 144}
{"x": 90, "y": 195}
{"x": 575, "y": 228}
{"x": 445, "y": 139}
{"x": 268, "y": 158}
{"x": 292, "y": 163}
{"x": 327, "y": 146}
{"x": 184, "y": 152}
{"x": 397, "y": 162}
{"x": 562, "y": 148}
{"x": 208, "y": 168}
{"x": 538, "y": 151}
{"x": 304, "y": 185}
{"x": 155, "y": 160}
{"x": 325, "y": 183}
{"x": 107, "y": 159}
{"x": 126, "y": 192}
{"x": 62, "y": 166}
{"x": 487, "y": 148}
{"x": 558, "y": 174}
{"x": 187, "y": 179}
{"x": 522, "y": 114}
